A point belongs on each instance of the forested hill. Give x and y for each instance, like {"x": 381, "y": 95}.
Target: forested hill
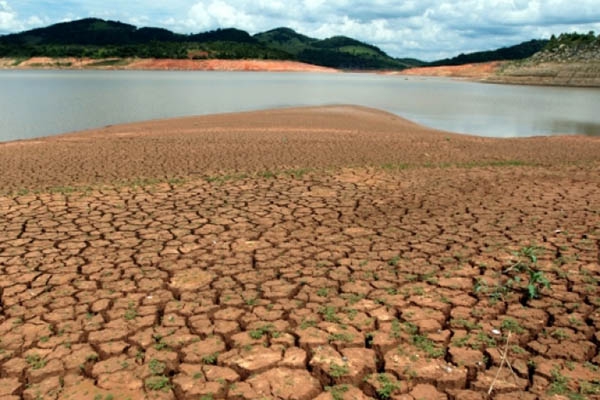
{"x": 97, "y": 38}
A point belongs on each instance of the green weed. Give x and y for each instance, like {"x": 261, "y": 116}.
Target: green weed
{"x": 337, "y": 371}
{"x": 337, "y": 392}
{"x": 35, "y": 361}
{"x": 157, "y": 383}
{"x": 210, "y": 358}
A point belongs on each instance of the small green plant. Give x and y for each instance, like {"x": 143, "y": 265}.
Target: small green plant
{"x": 337, "y": 371}
{"x": 527, "y": 263}
{"x": 159, "y": 344}
{"x": 355, "y": 298}
{"x": 307, "y": 323}
{"x": 255, "y": 334}
{"x": 591, "y": 367}
{"x": 340, "y": 337}
{"x": 210, "y": 358}
{"x": 460, "y": 322}
{"x": 589, "y": 388}
{"x": 130, "y": 314}
{"x": 395, "y": 332}
{"x": 35, "y": 361}
{"x": 418, "y": 291}
{"x": 197, "y": 375}
{"x": 511, "y": 325}
{"x": 323, "y": 292}
{"x": 351, "y": 313}
{"x": 139, "y": 356}
{"x": 258, "y": 333}
{"x": 483, "y": 339}
{"x": 329, "y": 314}
{"x": 337, "y": 392}
{"x": 156, "y": 367}
{"x": 516, "y": 349}
{"x": 157, "y": 383}
{"x": 387, "y": 386}
{"x": 391, "y": 291}
{"x": 410, "y": 328}
{"x": 559, "y": 334}
{"x": 560, "y": 383}
{"x": 496, "y": 293}
{"x": 462, "y": 341}
{"x": 427, "y": 345}
{"x": 393, "y": 262}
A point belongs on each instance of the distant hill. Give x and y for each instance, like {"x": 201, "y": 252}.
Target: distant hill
{"x": 338, "y": 51}
{"x": 97, "y": 38}
{"x": 570, "y": 47}
{"x": 285, "y": 39}
{"x": 571, "y": 59}
{"x": 517, "y": 52}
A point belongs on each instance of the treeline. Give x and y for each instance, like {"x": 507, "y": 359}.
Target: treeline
{"x": 573, "y": 40}
{"x": 518, "y": 52}
{"x": 225, "y": 50}
{"x": 344, "y": 60}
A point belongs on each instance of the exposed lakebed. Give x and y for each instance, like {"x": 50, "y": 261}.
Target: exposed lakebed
{"x": 41, "y": 103}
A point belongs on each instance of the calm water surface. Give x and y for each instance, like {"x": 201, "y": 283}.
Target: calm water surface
{"x": 41, "y": 103}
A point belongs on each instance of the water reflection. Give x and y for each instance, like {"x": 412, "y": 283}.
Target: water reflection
{"x": 584, "y": 128}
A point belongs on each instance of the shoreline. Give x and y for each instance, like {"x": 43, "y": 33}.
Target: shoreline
{"x": 150, "y": 64}
{"x": 581, "y": 75}
{"x": 584, "y": 75}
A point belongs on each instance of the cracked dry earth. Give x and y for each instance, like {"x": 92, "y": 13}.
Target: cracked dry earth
{"x": 357, "y": 283}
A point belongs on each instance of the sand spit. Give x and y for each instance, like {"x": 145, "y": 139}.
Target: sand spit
{"x": 275, "y": 140}
{"x": 415, "y": 268}
{"x": 161, "y": 64}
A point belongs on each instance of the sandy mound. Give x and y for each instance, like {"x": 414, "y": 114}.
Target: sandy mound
{"x": 275, "y": 140}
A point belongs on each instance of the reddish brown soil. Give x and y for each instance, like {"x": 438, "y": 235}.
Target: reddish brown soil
{"x": 163, "y": 64}
{"x": 472, "y": 71}
{"x": 265, "y": 141}
{"x": 355, "y": 282}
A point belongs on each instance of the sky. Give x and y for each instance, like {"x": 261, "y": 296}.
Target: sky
{"x": 424, "y": 29}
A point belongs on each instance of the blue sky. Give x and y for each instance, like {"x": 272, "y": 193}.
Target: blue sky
{"x": 425, "y": 29}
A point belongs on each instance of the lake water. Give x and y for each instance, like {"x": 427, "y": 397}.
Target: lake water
{"x": 42, "y": 103}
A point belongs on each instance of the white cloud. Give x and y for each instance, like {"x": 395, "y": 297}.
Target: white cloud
{"x": 427, "y": 29}
{"x": 220, "y": 14}
{"x": 11, "y": 22}
{"x": 8, "y": 18}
